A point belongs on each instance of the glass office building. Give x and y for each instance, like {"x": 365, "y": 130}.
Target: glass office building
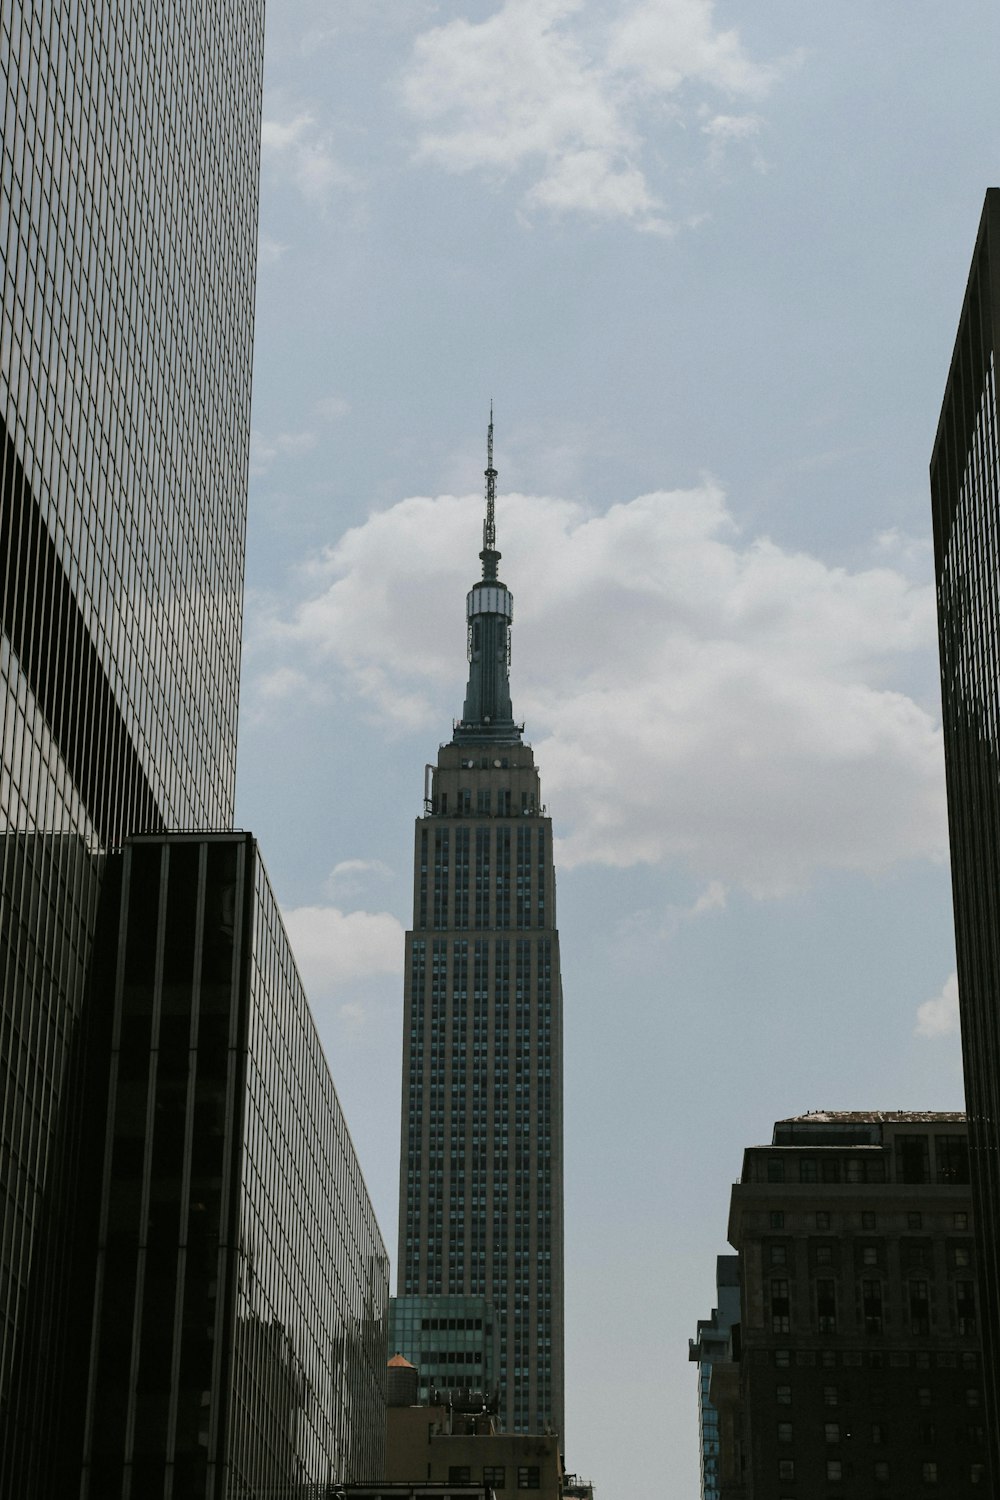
{"x": 451, "y": 1340}
{"x": 128, "y": 208}
{"x": 714, "y": 1343}
{"x": 965, "y": 495}
{"x": 481, "y": 1160}
{"x": 239, "y": 1304}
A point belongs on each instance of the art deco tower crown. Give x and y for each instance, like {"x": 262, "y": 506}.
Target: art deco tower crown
{"x": 489, "y": 609}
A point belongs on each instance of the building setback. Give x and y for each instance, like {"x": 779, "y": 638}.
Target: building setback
{"x": 128, "y": 220}
{"x": 239, "y": 1300}
{"x": 965, "y": 495}
{"x": 858, "y": 1359}
{"x": 481, "y": 1161}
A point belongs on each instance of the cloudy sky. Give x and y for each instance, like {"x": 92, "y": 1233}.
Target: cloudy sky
{"x": 707, "y": 260}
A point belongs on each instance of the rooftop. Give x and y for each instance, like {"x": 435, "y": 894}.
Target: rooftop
{"x": 875, "y": 1117}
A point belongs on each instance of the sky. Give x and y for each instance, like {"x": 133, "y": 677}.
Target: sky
{"x": 707, "y": 261}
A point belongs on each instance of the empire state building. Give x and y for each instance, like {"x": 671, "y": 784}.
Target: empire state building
{"x": 481, "y": 1165}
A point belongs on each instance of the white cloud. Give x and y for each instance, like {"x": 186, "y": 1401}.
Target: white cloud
{"x": 334, "y": 948}
{"x": 264, "y": 448}
{"x": 939, "y": 1017}
{"x": 332, "y": 408}
{"x": 693, "y": 697}
{"x": 349, "y": 876}
{"x": 270, "y": 251}
{"x": 541, "y": 87}
{"x": 303, "y": 152}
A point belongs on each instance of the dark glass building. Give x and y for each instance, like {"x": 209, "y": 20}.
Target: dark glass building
{"x": 481, "y": 1162}
{"x": 239, "y": 1303}
{"x": 128, "y": 215}
{"x": 714, "y": 1345}
{"x": 855, "y": 1369}
{"x": 451, "y": 1341}
{"x": 965, "y": 493}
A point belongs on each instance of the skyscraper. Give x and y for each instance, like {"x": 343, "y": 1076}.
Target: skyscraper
{"x": 128, "y": 216}
{"x": 239, "y": 1296}
{"x": 481, "y": 1162}
{"x": 965, "y": 495}
{"x": 856, "y": 1368}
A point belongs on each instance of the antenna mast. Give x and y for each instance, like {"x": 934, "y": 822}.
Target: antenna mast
{"x": 489, "y": 525}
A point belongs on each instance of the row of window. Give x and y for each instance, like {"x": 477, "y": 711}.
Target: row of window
{"x": 911, "y": 1158}
{"x": 869, "y": 1220}
{"x": 918, "y": 1306}
{"x": 528, "y": 1475}
{"x": 837, "y": 1471}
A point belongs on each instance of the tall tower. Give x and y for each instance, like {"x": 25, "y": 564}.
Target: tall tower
{"x": 481, "y": 1164}
{"x": 965, "y": 495}
{"x": 128, "y": 229}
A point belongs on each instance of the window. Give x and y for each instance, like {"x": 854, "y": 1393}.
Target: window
{"x": 977, "y": 1473}
{"x": 867, "y": 1221}
{"x": 830, "y": 1169}
{"x": 783, "y": 1395}
{"x": 807, "y": 1169}
{"x": 786, "y": 1468}
{"x": 881, "y": 1471}
{"x": 923, "y": 1395}
{"x": 972, "y": 1396}
{"x": 777, "y": 1255}
{"x": 951, "y": 1153}
{"x": 869, "y": 1255}
{"x": 913, "y": 1158}
{"x": 528, "y": 1477}
{"x": 824, "y": 1255}
{"x": 914, "y": 1221}
{"x": 775, "y": 1169}
{"x": 777, "y": 1219}
{"x": 830, "y": 1396}
{"x": 961, "y": 1221}
{"x": 920, "y": 1308}
{"x": 878, "y": 1434}
{"x": 822, "y": 1220}
{"x": 826, "y": 1306}
{"x": 483, "y": 801}
{"x": 780, "y": 1307}
{"x": 784, "y": 1432}
{"x": 834, "y": 1469}
{"x": 871, "y": 1300}
{"x": 459, "y": 1474}
{"x": 782, "y": 1359}
{"x": 831, "y": 1431}
{"x": 929, "y": 1473}
{"x": 965, "y": 1306}
{"x": 496, "y": 1475}
{"x": 960, "y": 1255}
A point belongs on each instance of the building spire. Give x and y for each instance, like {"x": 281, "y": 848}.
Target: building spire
{"x": 490, "y": 556}
{"x": 489, "y": 608}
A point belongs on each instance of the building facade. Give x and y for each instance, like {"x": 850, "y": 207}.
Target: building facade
{"x": 713, "y": 1345}
{"x": 965, "y": 495}
{"x": 452, "y": 1342}
{"x": 453, "y": 1447}
{"x": 481, "y": 1160}
{"x": 859, "y": 1364}
{"x": 128, "y": 211}
{"x": 241, "y": 1285}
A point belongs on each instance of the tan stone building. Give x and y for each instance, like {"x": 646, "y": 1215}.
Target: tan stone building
{"x": 857, "y": 1369}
